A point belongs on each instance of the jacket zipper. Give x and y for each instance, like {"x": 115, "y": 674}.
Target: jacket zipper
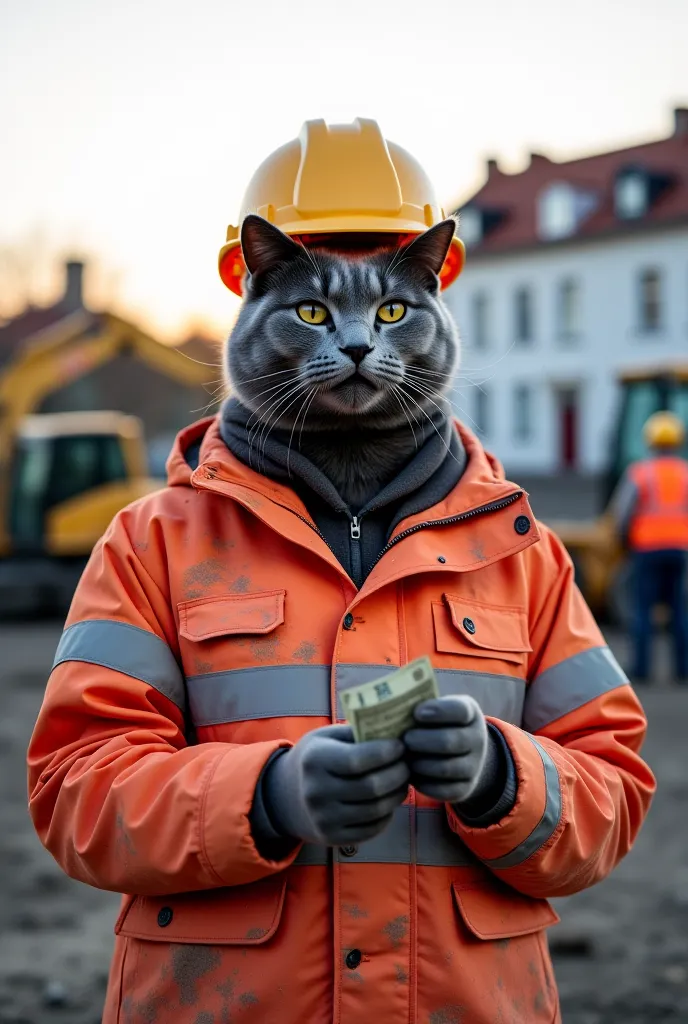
{"x": 494, "y": 506}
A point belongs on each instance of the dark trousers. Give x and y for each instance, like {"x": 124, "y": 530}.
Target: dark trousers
{"x": 659, "y": 577}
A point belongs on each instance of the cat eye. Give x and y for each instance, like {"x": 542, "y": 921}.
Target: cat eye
{"x": 312, "y": 312}
{"x": 391, "y": 312}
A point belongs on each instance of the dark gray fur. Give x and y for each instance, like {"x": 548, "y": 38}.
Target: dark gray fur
{"x": 358, "y": 424}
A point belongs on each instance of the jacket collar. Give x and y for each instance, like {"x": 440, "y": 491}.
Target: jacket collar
{"x": 478, "y": 504}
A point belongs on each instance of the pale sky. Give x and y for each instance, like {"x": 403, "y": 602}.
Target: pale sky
{"x": 129, "y": 128}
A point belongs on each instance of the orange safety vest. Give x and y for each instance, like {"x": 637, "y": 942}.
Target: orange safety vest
{"x": 660, "y": 517}
{"x": 213, "y": 626}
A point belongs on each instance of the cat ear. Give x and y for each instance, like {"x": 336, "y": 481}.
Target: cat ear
{"x": 264, "y": 246}
{"x": 430, "y": 249}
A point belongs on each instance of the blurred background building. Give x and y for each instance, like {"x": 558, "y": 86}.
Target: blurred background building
{"x": 126, "y": 370}
{"x": 575, "y": 272}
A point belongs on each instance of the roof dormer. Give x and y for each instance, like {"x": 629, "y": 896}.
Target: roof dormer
{"x": 561, "y": 208}
{"x": 476, "y": 222}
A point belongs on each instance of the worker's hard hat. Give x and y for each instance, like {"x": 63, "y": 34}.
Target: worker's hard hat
{"x": 339, "y": 178}
{"x": 664, "y": 430}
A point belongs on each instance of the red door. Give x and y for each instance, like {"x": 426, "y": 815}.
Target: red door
{"x": 568, "y": 428}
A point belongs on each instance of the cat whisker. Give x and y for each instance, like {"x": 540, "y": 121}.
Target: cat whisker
{"x": 280, "y": 412}
{"x": 280, "y": 387}
{"x": 304, "y": 405}
{"x": 316, "y": 390}
{"x": 263, "y": 376}
{"x": 428, "y": 418}
{"x": 394, "y": 391}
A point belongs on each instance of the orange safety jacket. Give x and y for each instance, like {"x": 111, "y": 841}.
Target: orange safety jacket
{"x": 212, "y": 626}
{"x": 659, "y": 519}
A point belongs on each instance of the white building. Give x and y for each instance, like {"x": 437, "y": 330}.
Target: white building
{"x": 575, "y": 271}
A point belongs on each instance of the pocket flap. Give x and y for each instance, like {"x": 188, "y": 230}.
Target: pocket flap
{"x": 243, "y": 916}
{"x": 483, "y": 627}
{"x": 205, "y": 618}
{"x": 499, "y": 912}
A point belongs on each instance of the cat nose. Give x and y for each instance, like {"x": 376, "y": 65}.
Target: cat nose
{"x": 357, "y": 351}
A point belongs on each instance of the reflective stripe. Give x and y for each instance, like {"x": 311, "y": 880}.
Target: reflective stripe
{"x": 124, "y": 648}
{"x": 570, "y": 685}
{"x": 545, "y": 828}
{"x": 283, "y": 691}
{"x": 434, "y": 842}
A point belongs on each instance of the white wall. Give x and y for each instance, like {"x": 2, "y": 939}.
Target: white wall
{"x": 610, "y": 339}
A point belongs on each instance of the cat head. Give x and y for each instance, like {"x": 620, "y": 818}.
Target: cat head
{"x": 350, "y": 333}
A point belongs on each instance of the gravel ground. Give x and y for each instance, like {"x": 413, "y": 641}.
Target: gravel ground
{"x": 621, "y": 951}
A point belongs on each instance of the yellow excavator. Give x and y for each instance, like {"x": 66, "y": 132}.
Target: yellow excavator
{"x": 64, "y": 475}
{"x": 601, "y": 569}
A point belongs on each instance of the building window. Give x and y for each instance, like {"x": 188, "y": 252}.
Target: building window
{"x": 650, "y": 300}
{"x": 471, "y": 226}
{"x": 480, "y": 328}
{"x": 557, "y": 212}
{"x": 631, "y": 195}
{"x": 523, "y": 307}
{"x": 561, "y": 209}
{"x": 482, "y": 410}
{"x": 568, "y": 309}
{"x": 523, "y": 412}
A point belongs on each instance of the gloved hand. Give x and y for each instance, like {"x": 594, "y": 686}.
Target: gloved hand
{"x": 451, "y": 753}
{"x": 328, "y": 789}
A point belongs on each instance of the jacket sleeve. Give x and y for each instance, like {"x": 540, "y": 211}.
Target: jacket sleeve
{"x": 118, "y": 793}
{"x": 582, "y": 788}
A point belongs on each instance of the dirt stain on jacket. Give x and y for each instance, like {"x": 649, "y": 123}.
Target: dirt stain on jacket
{"x": 353, "y": 910}
{"x": 401, "y": 974}
{"x": 264, "y": 648}
{"x": 396, "y": 930}
{"x": 447, "y": 1015}
{"x": 240, "y": 585}
{"x": 305, "y": 652}
{"x": 189, "y": 965}
{"x": 199, "y": 578}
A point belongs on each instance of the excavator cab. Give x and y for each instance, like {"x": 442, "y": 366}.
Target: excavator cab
{"x": 70, "y": 474}
{"x": 643, "y": 393}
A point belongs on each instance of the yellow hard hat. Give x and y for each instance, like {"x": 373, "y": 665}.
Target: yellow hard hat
{"x": 664, "y": 430}
{"x": 337, "y": 178}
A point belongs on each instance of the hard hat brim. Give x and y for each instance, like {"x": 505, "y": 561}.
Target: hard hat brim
{"x": 232, "y": 268}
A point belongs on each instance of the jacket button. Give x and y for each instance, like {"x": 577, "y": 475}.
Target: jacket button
{"x": 348, "y": 620}
{"x": 348, "y": 851}
{"x": 469, "y": 626}
{"x": 165, "y": 915}
{"x": 353, "y": 959}
{"x": 522, "y": 524}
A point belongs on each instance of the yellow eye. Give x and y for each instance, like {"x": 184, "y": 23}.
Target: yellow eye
{"x": 312, "y": 312}
{"x": 391, "y": 312}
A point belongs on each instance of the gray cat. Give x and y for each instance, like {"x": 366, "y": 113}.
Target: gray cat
{"x": 348, "y": 349}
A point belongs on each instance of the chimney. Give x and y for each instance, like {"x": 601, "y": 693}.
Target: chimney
{"x": 73, "y": 297}
{"x": 680, "y": 122}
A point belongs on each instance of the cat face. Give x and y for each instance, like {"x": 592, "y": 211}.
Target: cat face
{"x": 342, "y": 337}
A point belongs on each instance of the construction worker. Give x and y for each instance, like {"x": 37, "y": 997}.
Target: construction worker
{"x": 190, "y": 751}
{"x": 651, "y": 512}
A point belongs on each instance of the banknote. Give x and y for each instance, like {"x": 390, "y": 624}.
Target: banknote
{"x": 383, "y": 709}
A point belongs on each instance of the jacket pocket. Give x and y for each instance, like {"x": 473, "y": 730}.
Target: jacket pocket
{"x": 467, "y": 627}
{"x": 490, "y": 913}
{"x": 506, "y": 936}
{"x": 206, "y": 618}
{"x": 246, "y": 915}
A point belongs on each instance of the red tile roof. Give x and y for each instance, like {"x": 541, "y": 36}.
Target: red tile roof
{"x": 516, "y": 195}
{"x": 17, "y": 331}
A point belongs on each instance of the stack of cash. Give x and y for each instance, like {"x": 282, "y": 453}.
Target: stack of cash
{"x": 384, "y": 708}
